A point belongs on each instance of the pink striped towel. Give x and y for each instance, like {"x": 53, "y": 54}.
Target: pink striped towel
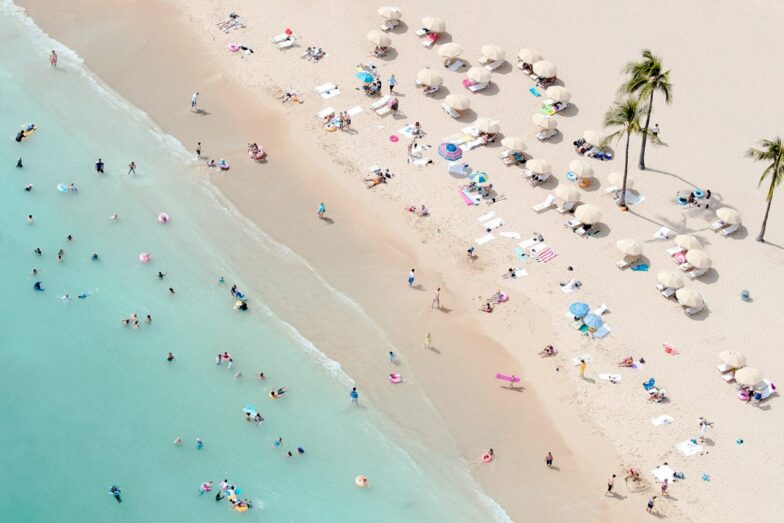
{"x": 546, "y": 255}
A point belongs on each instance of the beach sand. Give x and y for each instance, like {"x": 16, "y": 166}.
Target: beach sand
{"x": 156, "y": 57}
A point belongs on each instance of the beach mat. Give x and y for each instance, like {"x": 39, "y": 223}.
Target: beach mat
{"x": 614, "y": 378}
{"x": 354, "y": 111}
{"x": 469, "y": 199}
{"x": 664, "y": 419}
{"x": 662, "y": 472}
{"x": 511, "y": 235}
{"x": 534, "y": 92}
{"x": 688, "y": 448}
{"x": 484, "y": 239}
{"x": 325, "y": 112}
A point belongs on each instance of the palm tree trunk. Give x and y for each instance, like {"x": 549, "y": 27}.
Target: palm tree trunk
{"x": 641, "y": 165}
{"x": 761, "y": 235}
{"x": 622, "y": 201}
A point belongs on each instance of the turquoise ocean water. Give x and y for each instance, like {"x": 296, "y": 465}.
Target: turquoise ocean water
{"x": 88, "y": 403}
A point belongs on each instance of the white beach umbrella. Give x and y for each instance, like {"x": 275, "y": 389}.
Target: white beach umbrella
{"x": 390, "y": 13}
{"x": 493, "y": 52}
{"x": 581, "y": 168}
{"x": 428, "y": 77}
{"x": 529, "y": 56}
{"x": 538, "y": 166}
{"x": 378, "y": 38}
{"x": 486, "y": 125}
{"x": 749, "y": 376}
{"x": 433, "y": 23}
{"x": 688, "y": 242}
{"x": 558, "y": 93}
{"x": 594, "y": 137}
{"x": 450, "y": 50}
{"x": 732, "y": 359}
{"x": 629, "y": 247}
{"x": 616, "y": 179}
{"x": 514, "y": 143}
{"x": 545, "y": 69}
{"x": 698, "y": 258}
{"x": 671, "y": 279}
{"x": 728, "y": 215}
{"x": 688, "y": 297}
{"x": 458, "y": 101}
{"x": 479, "y": 75}
{"x": 544, "y": 122}
{"x": 588, "y": 214}
{"x": 567, "y": 193}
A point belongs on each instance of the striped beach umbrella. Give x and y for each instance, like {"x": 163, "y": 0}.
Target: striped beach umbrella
{"x": 450, "y": 151}
{"x": 479, "y": 177}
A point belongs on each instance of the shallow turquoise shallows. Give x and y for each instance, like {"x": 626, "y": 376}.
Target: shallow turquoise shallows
{"x": 88, "y": 402}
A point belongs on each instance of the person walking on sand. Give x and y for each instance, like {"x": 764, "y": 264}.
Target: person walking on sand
{"x": 655, "y": 131}
{"x": 132, "y": 168}
{"x": 411, "y": 278}
{"x": 354, "y": 395}
{"x": 198, "y": 150}
{"x": 392, "y": 83}
{"x": 322, "y": 210}
{"x": 194, "y": 101}
{"x": 651, "y": 501}
{"x": 53, "y": 59}
{"x": 428, "y": 340}
{"x": 664, "y": 486}
{"x": 704, "y": 424}
{"x": 610, "y": 483}
{"x": 548, "y": 459}
{"x": 436, "y": 299}
{"x": 583, "y": 366}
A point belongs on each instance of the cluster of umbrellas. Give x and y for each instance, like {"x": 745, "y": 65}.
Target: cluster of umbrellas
{"x": 581, "y": 311}
{"x": 747, "y": 376}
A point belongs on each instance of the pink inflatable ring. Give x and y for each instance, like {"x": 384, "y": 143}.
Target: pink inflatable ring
{"x": 145, "y": 257}
{"x": 163, "y": 218}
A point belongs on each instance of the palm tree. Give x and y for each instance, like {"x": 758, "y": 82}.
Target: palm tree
{"x": 647, "y": 77}
{"x": 625, "y": 116}
{"x": 773, "y": 152}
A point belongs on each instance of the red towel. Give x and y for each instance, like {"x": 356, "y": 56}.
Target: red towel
{"x": 546, "y": 255}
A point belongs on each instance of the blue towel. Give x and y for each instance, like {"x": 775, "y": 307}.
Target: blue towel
{"x": 534, "y": 92}
{"x": 520, "y": 254}
{"x": 641, "y": 267}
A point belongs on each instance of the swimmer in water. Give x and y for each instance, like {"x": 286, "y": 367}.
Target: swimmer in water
{"x": 278, "y": 442}
{"x": 38, "y": 286}
{"x": 114, "y": 217}
{"x": 19, "y": 163}
{"x": 199, "y": 444}
{"x": 171, "y": 290}
{"x": 231, "y": 363}
{"x": 115, "y": 491}
{"x": 60, "y": 255}
{"x": 84, "y": 296}
{"x": 35, "y": 272}
{"x": 178, "y": 441}
{"x": 261, "y": 374}
{"x": 126, "y": 322}
{"x": 37, "y": 251}
{"x": 170, "y": 357}
{"x": 161, "y": 275}
{"x": 69, "y": 238}
{"x": 221, "y": 280}
{"x": 30, "y": 219}
{"x": 65, "y": 297}
{"x": 94, "y": 256}
{"x": 29, "y": 187}
{"x": 257, "y": 418}
{"x": 300, "y": 450}
{"x": 278, "y": 393}
{"x": 218, "y": 359}
{"x": 148, "y": 319}
{"x": 289, "y": 454}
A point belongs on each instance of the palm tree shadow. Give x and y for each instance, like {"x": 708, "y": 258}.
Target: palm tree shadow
{"x": 684, "y": 180}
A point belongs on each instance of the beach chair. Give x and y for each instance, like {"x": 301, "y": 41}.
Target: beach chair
{"x": 662, "y": 234}
{"x": 697, "y": 273}
{"x": 601, "y": 309}
{"x": 626, "y": 262}
{"x": 450, "y": 110}
{"x": 672, "y": 251}
{"x": 492, "y": 66}
{"x": 573, "y": 224}
{"x": 546, "y": 134}
{"x": 456, "y": 65}
{"x": 477, "y": 87}
{"x": 468, "y": 146}
{"x": 389, "y": 25}
{"x": 769, "y": 389}
{"x": 432, "y": 89}
{"x": 285, "y": 44}
{"x": 458, "y": 168}
{"x": 421, "y": 32}
{"x": 691, "y": 311}
{"x": 429, "y": 40}
{"x": 537, "y": 179}
{"x": 566, "y": 207}
{"x": 718, "y": 225}
{"x": 471, "y": 130}
{"x": 728, "y": 377}
{"x": 728, "y": 231}
{"x": 381, "y": 102}
{"x": 546, "y": 204}
{"x": 281, "y": 37}
{"x": 667, "y": 292}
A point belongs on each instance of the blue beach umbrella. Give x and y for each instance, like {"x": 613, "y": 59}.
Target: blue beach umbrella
{"x": 450, "y": 151}
{"x": 593, "y": 321}
{"x": 479, "y": 177}
{"x": 579, "y": 309}
{"x": 364, "y": 76}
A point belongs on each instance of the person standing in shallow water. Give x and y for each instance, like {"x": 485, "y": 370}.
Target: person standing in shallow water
{"x": 53, "y": 59}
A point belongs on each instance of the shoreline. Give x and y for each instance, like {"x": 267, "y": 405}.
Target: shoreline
{"x": 575, "y": 410}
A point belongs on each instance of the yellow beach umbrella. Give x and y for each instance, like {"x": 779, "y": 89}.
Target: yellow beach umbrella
{"x": 567, "y": 193}
{"x": 558, "y": 93}
{"x": 529, "y": 56}
{"x": 493, "y": 52}
{"x": 458, "y": 102}
{"x": 544, "y": 122}
{"x": 671, "y": 279}
{"x": 733, "y": 359}
{"x": 390, "y": 13}
{"x": 486, "y": 125}
{"x": 594, "y": 137}
{"x": 629, "y": 247}
{"x": 616, "y": 179}
{"x": 378, "y": 38}
{"x": 749, "y": 376}
{"x": 433, "y": 23}
{"x": 514, "y": 143}
{"x": 450, "y": 50}
{"x": 698, "y": 258}
{"x": 728, "y": 215}
{"x": 479, "y": 75}
{"x": 538, "y": 166}
{"x": 588, "y": 214}
{"x": 428, "y": 77}
{"x": 545, "y": 69}
{"x": 581, "y": 168}
{"x": 688, "y": 242}
{"x": 688, "y": 297}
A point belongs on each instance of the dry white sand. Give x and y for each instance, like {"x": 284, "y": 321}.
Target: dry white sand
{"x": 726, "y": 80}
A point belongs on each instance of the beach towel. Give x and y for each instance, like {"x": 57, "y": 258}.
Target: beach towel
{"x": 421, "y": 161}
{"x": 663, "y": 472}
{"x": 602, "y": 331}
{"x": 325, "y": 112}
{"x": 570, "y": 287}
{"x": 520, "y": 272}
{"x": 484, "y": 239}
{"x": 664, "y": 419}
{"x": 663, "y": 233}
{"x": 585, "y": 357}
{"x": 468, "y": 199}
{"x": 638, "y": 365}
{"x": 669, "y": 349}
{"x": 459, "y": 168}
{"x": 520, "y": 254}
{"x": 614, "y": 378}
{"x": 493, "y": 224}
{"x": 546, "y": 255}
{"x": 407, "y": 131}
{"x": 325, "y": 87}
{"x": 469, "y": 146}
{"x": 511, "y": 235}
{"x": 688, "y": 447}
{"x": 330, "y": 93}
{"x": 486, "y": 216}
{"x": 354, "y": 111}
{"x": 643, "y": 267}
{"x": 534, "y": 92}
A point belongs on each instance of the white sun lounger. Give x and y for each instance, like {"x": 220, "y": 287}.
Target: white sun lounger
{"x": 354, "y": 111}
{"x": 728, "y": 231}
{"x": 456, "y": 65}
{"x": 428, "y": 42}
{"x": 626, "y": 262}
{"x": 667, "y": 292}
{"x": 691, "y": 311}
{"x": 325, "y": 112}
{"x": 672, "y": 251}
{"x": 285, "y": 44}
{"x": 487, "y": 216}
{"x": 696, "y": 273}
{"x": 573, "y": 224}
{"x": 664, "y": 419}
{"x": 478, "y": 87}
{"x": 468, "y": 146}
{"x": 662, "y": 234}
{"x": 383, "y": 111}
{"x": 493, "y": 224}
{"x": 381, "y": 102}
{"x": 450, "y": 110}
{"x": 330, "y": 93}
{"x": 484, "y": 239}
{"x": 546, "y": 204}
{"x": 546, "y": 134}
{"x": 279, "y": 38}
{"x": 718, "y": 225}
{"x": 492, "y": 66}
{"x": 567, "y": 207}
{"x": 598, "y": 311}
{"x": 511, "y": 235}
{"x": 528, "y": 243}
{"x": 389, "y": 25}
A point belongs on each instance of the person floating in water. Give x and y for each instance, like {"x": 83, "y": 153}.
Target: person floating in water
{"x": 278, "y": 393}
{"x": 94, "y": 256}
{"x": 19, "y": 163}
{"x": 170, "y": 357}
{"x": 99, "y": 166}
{"x": 161, "y": 275}
{"x": 115, "y": 491}
{"x": 29, "y": 187}
{"x": 178, "y": 441}
{"x": 38, "y": 286}
{"x": 199, "y": 444}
